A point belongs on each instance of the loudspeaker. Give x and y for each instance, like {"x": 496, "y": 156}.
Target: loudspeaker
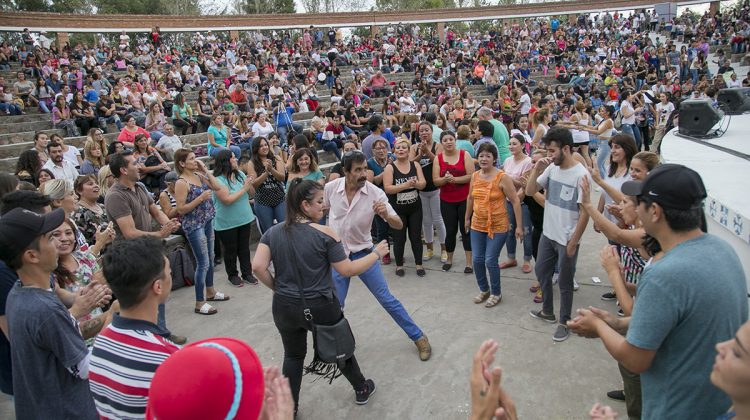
{"x": 697, "y": 117}
{"x": 733, "y": 101}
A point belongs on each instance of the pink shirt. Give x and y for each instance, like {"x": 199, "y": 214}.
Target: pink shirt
{"x": 516, "y": 169}
{"x": 353, "y": 221}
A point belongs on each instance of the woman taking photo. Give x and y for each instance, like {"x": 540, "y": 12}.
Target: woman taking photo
{"x": 193, "y": 194}
{"x": 304, "y": 166}
{"x": 219, "y": 137}
{"x": 90, "y": 215}
{"x": 452, "y": 175}
{"x": 402, "y": 180}
{"x": 515, "y": 167}
{"x": 486, "y": 214}
{"x": 182, "y": 115}
{"x": 424, "y": 153}
{"x": 267, "y": 172}
{"x": 234, "y": 216}
{"x": 303, "y": 270}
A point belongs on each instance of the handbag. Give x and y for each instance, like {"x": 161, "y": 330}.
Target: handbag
{"x": 333, "y": 344}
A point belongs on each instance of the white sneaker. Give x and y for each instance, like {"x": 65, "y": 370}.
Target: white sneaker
{"x": 555, "y": 276}
{"x": 576, "y": 286}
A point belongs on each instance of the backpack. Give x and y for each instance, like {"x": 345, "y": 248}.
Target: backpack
{"x": 183, "y": 267}
{"x": 617, "y": 120}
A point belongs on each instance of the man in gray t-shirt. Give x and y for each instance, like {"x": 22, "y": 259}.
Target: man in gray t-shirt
{"x": 51, "y": 381}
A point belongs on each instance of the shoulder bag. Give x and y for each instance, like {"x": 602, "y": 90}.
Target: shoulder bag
{"x": 333, "y": 344}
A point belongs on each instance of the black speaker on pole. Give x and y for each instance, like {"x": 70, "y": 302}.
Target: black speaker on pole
{"x": 733, "y": 101}
{"x": 697, "y": 117}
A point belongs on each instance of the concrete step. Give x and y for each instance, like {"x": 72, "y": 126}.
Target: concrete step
{"x": 29, "y": 117}
{"x": 25, "y": 126}
{"x": 26, "y": 136}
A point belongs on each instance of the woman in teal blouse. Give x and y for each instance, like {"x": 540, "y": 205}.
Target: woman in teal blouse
{"x": 219, "y": 137}
{"x": 234, "y": 216}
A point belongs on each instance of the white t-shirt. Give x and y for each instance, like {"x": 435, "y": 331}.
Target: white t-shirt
{"x": 563, "y": 195}
{"x": 171, "y": 143}
{"x": 72, "y": 155}
{"x": 525, "y": 104}
{"x": 615, "y": 182}
{"x": 626, "y": 107}
{"x": 663, "y": 112}
{"x": 262, "y": 131}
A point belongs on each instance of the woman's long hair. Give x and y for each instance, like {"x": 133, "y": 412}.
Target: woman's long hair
{"x": 257, "y": 162}
{"x": 28, "y": 161}
{"x": 63, "y": 276}
{"x": 299, "y": 190}
{"x": 223, "y": 165}
{"x": 627, "y": 143}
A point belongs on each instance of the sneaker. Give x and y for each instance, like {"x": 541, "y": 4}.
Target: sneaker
{"x": 387, "y": 259}
{"x": 538, "y": 296}
{"x": 561, "y": 334}
{"x": 555, "y": 277}
{"x": 424, "y": 348}
{"x": 544, "y": 317}
{"x": 217, "y": 261}
{"x": 609, "y": 296}
{"x": 576, "y": 286}
{"x": 177, "y": 339}
{"x": 364, "y": 395}
{"x": 427, "y": 255}
{"x": 235, "y": 280}
{"x": 443, "y": 257}
{"x": 250, "y": 280}
{"x": 617, "y": 394}
{"x": 421, "y": 272}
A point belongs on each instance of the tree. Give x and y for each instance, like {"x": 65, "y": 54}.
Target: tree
{"x": 57, "y": 6}
{"x": 254, "y": 7}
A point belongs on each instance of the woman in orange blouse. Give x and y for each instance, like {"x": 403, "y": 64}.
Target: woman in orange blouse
{"x": 489, "y": 224}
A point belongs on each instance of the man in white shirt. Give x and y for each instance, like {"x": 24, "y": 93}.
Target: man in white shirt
{"x": 733, "y": 81}
{"x": 60, "y": 168}
{"x": 276, "y": 92}
{"x": 169, "y": 143}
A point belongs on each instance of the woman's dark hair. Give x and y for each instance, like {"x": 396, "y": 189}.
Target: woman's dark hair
{"x": 627, "y": 143}
{"x": 486, "y": 128}
{"x": 46, "y": 171}
{"x": 28, "y": 161}
{"x": 521, "y": 139}
{"x": 223, "y": 165}
{"x": 299, "y": 190}
{"x": 128, "y": 118}
{"x": 301, "y": 141}
{"x": 179, "y": 100}
{"x": 8, "y": 183}
{"x": 257, "y": 162}
{"x": 610, "y": 110}
{"x": 113, "y": 146}
{"x": 303, "y": 152}
{"x": 488, "y": 148}
{"x": 180, "y": 156}
{"x": 447, "y": 133}
{"x": 136, "y": 148}
{"x": 63, "y": 276}
{"x": 430, "y": 117}
{"x": 129, "y": 281}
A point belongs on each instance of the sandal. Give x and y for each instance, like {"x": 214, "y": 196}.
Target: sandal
{"x": 493, "y": 300}
{"x": 481, "y": 297}
{"x": 421, "y": 272}
{"x": 508, "y": 264}
{"x": 218, "y": 297}
{"x": 206, "y": 309}
{"x": 526, "y": 267}
{"x": 533, "y": 289}
{"x": 538, "y": 296}
{"x": 468, "y": 270}
{"x": 400, "y": 272}
{"x": 447, "y": 267}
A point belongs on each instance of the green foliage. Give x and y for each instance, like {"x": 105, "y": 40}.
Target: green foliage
{"x": 57, "y": 6}
{"x": 253, "y": 7}
{"x": 395, "y": 5}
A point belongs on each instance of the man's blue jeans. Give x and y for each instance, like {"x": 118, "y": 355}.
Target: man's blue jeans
{"x": 485, "y": 252}
{"x": 202, "y": 243}
{"x": 374, "y": 279}
{"x": 283, "y": 130}
{"x": 511, "y": 239}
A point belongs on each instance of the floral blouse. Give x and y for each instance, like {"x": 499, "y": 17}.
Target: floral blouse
{"x": 89, "y": 222}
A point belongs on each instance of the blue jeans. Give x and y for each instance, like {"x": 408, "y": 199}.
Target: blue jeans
{"x": 155, "y": 136}
{"x": 266, "y": 215}
{"x": 375, "y": 281}
{"x": 43, "y": 107}
{"x": 486, "y": 251}
{"x": 511, "y": 240}
{"x": 634, "y": 131}
{"x": 202, "y": 242}
{"x": 333, "y": 147}
{"x": 602, "y": 157}
{"x": 694, "y": 75}
{"x": 245, "y": 146}
{"x": 235, "y": 150}
{"x": 283, "y": 131}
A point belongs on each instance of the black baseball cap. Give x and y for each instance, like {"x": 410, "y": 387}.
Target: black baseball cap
{"x": 670, "y": 185}
{"x": 20, "y": 227}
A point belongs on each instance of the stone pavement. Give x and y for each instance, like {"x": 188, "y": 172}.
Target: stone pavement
{"x": 547, "y": 380}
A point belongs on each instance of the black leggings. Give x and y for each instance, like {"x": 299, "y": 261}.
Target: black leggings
{"x": 185, "y": 124}
{"x": 291, "y": 323}
{"x": 412, "y": 220}
{"x": 454, "y": 215}
{"x": 236, "y": 243}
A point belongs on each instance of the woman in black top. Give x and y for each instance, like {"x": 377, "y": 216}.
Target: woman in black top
{"x": 268, "y": 174}
{"x": 401, "y": 180}
{"x": 314, "y": 250}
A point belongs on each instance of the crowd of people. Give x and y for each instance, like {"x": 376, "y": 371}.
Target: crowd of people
{"x": 420, "y": 159}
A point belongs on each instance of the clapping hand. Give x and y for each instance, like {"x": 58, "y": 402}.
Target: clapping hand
{"x": 381, "y": 209}
{"x": 609, "y": 258}
{"x": 602, "y": 412}
{"x": 278, "y": 402}
{"x": 488, "y": 398}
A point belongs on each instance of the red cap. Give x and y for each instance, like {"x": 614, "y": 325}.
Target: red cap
{"x": 213, "y": 379}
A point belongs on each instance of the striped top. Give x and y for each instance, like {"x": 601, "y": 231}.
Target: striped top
{"x": 123, "y": 361}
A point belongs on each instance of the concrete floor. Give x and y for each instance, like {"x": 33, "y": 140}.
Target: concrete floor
{"x": 547, "y": 380}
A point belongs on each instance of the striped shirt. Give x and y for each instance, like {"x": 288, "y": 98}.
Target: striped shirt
{"x": 124, "y": 359}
